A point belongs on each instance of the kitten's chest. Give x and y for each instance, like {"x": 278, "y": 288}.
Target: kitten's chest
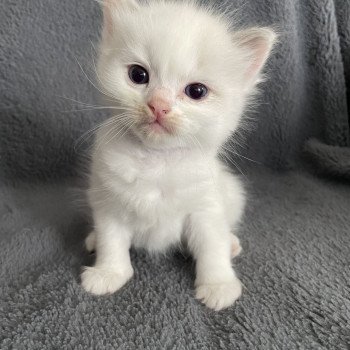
{"x": 166, "y": 187}
{"x": 158, "y": 185}
{"x": 172, "y": 176}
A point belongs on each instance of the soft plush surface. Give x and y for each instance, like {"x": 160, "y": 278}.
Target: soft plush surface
{"x": 295, "y": 269}
{"x": 296, "y": 233}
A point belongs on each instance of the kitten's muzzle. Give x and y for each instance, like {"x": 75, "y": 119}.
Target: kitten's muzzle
{"x": 159, "y": 107}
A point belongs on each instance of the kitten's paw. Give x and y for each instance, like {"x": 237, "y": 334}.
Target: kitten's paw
{"x": 221, "y": 295}
{"x": 90, "y": 242}
{"x": 99, "y": 281}
{"x": 235, "y": 247}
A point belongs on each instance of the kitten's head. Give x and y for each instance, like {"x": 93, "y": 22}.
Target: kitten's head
{"x": 177, "y": 70}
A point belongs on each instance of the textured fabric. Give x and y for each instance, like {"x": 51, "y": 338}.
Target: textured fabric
{"x": 330, "y": 161}
{"x": 294, "y": 267}
{"x": 295, "y": 236}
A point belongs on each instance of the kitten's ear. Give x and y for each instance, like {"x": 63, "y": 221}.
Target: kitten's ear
{"x": 115, "y": 6}
{"x": 257, "y": 43}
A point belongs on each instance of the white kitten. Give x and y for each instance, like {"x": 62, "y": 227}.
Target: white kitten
{"x": 180, "y": 79}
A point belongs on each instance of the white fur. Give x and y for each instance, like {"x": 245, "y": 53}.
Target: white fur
{"x": 154, "y": 189}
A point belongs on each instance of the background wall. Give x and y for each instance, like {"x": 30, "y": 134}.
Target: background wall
{"x": 42, "y": 41}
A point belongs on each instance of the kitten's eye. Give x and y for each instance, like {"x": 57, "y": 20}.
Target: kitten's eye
{"x": 138, "y": 74}
{"x": 196, "y": 91}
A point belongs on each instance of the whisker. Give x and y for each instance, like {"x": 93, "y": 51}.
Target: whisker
{"x": 92, "y": 108}
{"x": 105, "y": 141}
{"x": 89, "y": 80}
{"x": 73, "y": 100}
{"x": 90, "y": 132}
{"x": 240, "y": 155}
{"x": 234, "y": 164}
{"x": 230, "y": 146}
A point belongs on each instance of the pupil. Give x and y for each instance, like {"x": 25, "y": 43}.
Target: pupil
{"x": 196, "y": 91}
{"x": 138, "y": 75}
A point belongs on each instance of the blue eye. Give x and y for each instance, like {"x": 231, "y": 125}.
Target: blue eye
{"x": 138, "y": 74}
{"x": 196, "y": 91}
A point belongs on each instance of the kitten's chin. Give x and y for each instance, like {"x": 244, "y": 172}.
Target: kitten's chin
{"x": 155, "y": 135}
{"x": 157, "y": 129}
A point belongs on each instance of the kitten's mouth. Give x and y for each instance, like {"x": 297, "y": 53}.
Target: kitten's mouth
{"x": 151, "y": 125}
{"x": 159, "y": 127}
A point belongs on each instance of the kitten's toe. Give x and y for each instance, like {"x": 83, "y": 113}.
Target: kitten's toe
{"x": 221, "y": 295}
{"x": 90, "y": 242}
{"x": 235, "y": 247}
{"x": 99, "y": 281}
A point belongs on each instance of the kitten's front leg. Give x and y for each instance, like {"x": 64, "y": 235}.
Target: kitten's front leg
{"x": 112, "y": 268}
{"x": 210, "y": 239}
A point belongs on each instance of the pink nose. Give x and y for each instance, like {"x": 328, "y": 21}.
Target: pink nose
{"x": 159, "y": 106}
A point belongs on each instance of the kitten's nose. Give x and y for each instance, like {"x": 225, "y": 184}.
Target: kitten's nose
{"x": 159, "y": 106}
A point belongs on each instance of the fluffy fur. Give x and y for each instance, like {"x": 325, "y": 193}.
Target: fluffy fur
{"x": 155, "y": 186}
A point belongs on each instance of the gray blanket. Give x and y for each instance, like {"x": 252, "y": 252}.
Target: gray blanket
{"x": 295, "y": 236}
